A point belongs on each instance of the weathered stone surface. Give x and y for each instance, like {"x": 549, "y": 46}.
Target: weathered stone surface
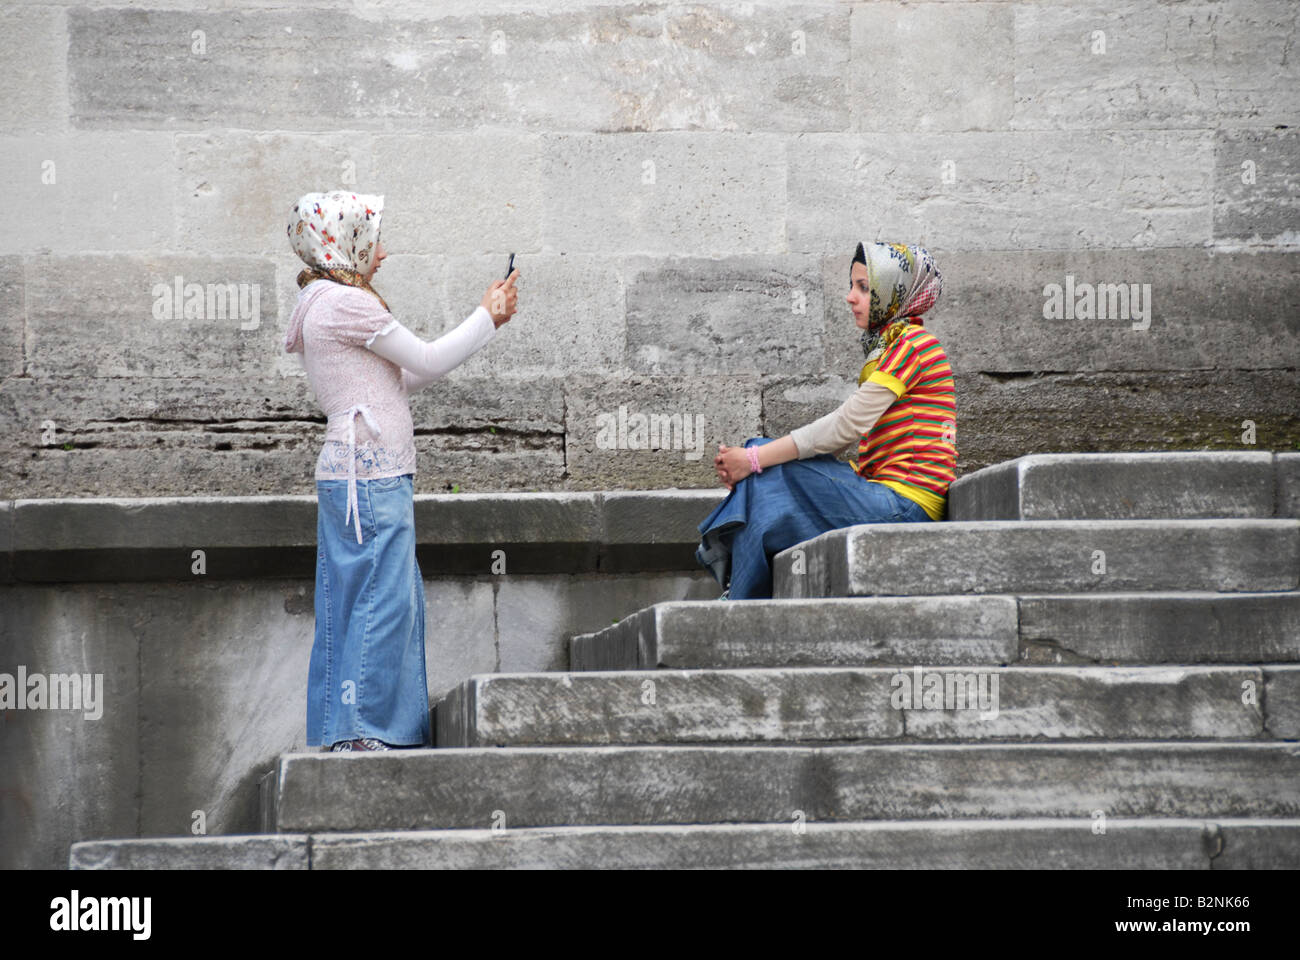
{"x": 282, "y": 852}
{"x": 249, "y": 537}
{"x": 1176, "y": 309}
{"x": 88, "y": 193}
{"x": 1115, "y": 703}
{"x": 1288, "y": 484}
{"x": 1042, "y": 556}
{"x": 159, "y": 523}
{"x": 1055, "y": 843}
{"x": 570, "y": 319}
{"x": 681, "y": 422}
{"x": 1257, "y": 186}
{"x": 35, "y": 47}
{"x": 805, "y": 633}
{"x": 6, "y": 541}
{"x": 215, "y": 714}
{"x": 499, "y": 433}
{"x": 1162, "y": 65}
{"x": 668, "y": 707}
{"x": 944, "y": 845}
{"x": 223, "y": 326}
{"x": 1004, "y": 416}
{"x": 957, "y": 73}
{"x": 1185, "y": 627}
{"x": 243, "y": 207}
{"x": 537, "y": 616}
{"x": 1006, "y": 189}
{"x": 1257, "y": 845}
{"x": 460, "y": 636}
{"x": 207, "y": 682}
{"x": 597, "y": 67}
{"x": 68, "y": 774}
{"x": 672, "y": 194}
{"x": 165, "y": 420}
{"x": 1132, "y": 486}
{"x": 732, "y": 316}
{"x": 1282, "y": 702}
{"x": 990, "y": 316}
{"x": 13, "y": 318}
{"x": 1026, "y": 780}
{"x": 645, "y": 530}
{"x": 576, "y": 786}
{"x": 810, "y": 703}
{"x": 475, "y": 194}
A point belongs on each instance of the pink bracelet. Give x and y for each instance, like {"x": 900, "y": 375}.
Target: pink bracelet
{"x": 753, "y": 459}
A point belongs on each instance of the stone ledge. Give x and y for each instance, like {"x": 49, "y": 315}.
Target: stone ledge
{"x": 152, "y": 538}
{"x": 1131, "y": 486}
{"x": 1038, "y": 842}
{"x": 600, "y": 785}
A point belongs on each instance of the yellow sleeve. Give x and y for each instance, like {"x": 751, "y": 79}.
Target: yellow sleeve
{"x": 888, "y": 380}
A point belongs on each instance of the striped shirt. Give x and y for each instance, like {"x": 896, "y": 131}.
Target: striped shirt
{"x": 912, "y": 447}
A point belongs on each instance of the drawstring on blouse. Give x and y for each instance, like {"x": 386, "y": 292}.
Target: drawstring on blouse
{"x": 351, "y": 414}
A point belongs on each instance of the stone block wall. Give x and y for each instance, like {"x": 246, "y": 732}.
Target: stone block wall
{"x": 683, "y": 185}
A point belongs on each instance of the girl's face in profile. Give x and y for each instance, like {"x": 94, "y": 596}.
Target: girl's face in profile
{"x": 859, "y": 298}
{"x": 380, "y": 253}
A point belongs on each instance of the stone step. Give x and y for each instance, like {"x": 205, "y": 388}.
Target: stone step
{"x": 584, "y": 786}
{"x": 1200, "y": 627}
{"x": 1088, "y": 843}
{"x": 799, "y": 705}
{"x": 1042, "y": 556}
{"x": 1130, "y": 486}
{"x": 792, "y": 633}
{"x": 1191, "y": 627}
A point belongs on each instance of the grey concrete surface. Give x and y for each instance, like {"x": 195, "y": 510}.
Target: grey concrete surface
{"x": 203, "y": 687}
{"x": 1059, "y": 844}
{"x": 1042, "y": 556}
{"x": 575, "y": 786}
{"x": 1183, "y": 627}
{"x": 796, "y": 633}
{"x": 863, "y": 704}
{"x": 1119, "y": 486}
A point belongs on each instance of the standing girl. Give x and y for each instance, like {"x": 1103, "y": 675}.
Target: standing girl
{"x": 366, "y": 683}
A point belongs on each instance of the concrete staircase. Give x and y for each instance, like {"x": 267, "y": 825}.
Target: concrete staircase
{"x": 1094, "y": 664}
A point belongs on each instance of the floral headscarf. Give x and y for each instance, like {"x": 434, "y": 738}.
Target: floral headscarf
{"x": 335, "y": 234}
{"x": 904, "y": 284}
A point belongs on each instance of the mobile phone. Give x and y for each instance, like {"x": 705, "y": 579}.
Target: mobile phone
{"x": 510, "y": 267}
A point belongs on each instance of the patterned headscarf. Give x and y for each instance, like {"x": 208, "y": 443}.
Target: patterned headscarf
{"x": 335, "y": 234}
{"x": 904, "y": 284}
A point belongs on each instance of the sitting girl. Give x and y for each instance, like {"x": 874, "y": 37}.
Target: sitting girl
{"x": 903, "y": 417}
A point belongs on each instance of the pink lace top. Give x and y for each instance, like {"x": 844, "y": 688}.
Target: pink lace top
{"x": 362, "y": 362}
{"x": 349, "y": 380}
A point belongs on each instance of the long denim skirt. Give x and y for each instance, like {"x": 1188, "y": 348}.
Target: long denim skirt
{"x": 786, "y": 504}
{"x": 366, "y": 677}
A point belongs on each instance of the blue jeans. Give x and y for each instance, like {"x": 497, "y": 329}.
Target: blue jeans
{"x": 786, "y": 504}
{"x": 366, "y": 677}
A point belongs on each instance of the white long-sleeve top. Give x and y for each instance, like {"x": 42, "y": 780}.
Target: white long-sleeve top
{"x": 853, "y": 419}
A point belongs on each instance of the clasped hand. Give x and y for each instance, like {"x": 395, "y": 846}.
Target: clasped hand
{"x": 732, "y": 465}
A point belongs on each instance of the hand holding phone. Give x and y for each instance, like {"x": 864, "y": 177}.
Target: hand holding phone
{"x": 502, "y": 297}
